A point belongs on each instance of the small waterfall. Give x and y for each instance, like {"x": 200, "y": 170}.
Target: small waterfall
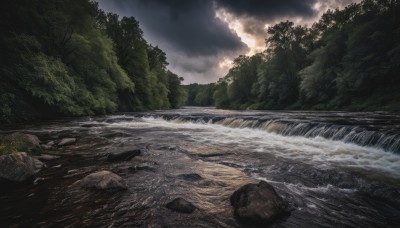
{"x": 386, "y": 140}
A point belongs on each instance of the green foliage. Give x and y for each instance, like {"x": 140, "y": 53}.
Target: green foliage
{"x": 10, "y": 146}
{"x": 243, "y": 77}
{"x": 70, "y": 58}
{"x": 200, "y": 95}
{"x": 267, "y": 80}
{"x": 177, "y": 95}
{"x": 319, "y": 78}
{"x": 155, "y": 86}
{"x": 6, "y": 100}
{"x": 221, "y": 94}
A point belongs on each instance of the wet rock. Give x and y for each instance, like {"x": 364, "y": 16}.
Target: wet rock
{"x": 123, "y": 155}
{"x": 24, "y": 142}
{"x": 190, "y": 176}
{"x": 258, "y": 203}
{"x": 26, "y": 138}
{"x": 103, "y": 180}
{"x": 18, "y": 166}
{"x": 46, "y": 157}
{"x": 46, "y": 147}
{"x": 67, "y": 141}
{"x": 181, "y": 205}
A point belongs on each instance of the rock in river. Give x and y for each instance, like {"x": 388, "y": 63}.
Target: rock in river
{"x": 67, "y": 141}
{"x": 46, "y": 157}
{"x": 24, "y": 142}
{"x": 123, "y": 155}
{"x": 103, "y": 180}
{"x": 258, "y": 203}
{"x": 18, "y": 166}
{"x": 181, "y": 205}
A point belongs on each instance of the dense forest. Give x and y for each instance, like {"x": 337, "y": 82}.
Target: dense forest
{"x": 349, "y": 60}
{"x": 69, "y": 58}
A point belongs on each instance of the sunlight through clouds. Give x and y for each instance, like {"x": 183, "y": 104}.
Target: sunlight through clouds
{"x": 235, "y": 24}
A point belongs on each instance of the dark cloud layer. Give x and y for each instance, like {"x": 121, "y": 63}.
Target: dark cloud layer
{"x": 195, "y": 40}
{"x": 190, "y": 26}
{"x": 269, "y": 9}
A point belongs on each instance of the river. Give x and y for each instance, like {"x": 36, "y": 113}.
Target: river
{"x": 335, "y": 169}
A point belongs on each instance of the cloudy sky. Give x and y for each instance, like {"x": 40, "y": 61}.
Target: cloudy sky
{"x": 202, "y": 37}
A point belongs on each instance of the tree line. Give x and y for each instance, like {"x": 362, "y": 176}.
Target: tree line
{"x": 69, "y": 58}
{"x": 349, "y": 60}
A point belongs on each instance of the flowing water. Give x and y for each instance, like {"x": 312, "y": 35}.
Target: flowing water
{"x": 335, "y": 169}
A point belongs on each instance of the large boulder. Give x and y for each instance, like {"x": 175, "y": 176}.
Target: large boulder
{"x": 67, "y": 141}
{"x": 24, "y": 142}
{"x": 258, "y": 203}
{"x": 103, "y": 180}
{"x": 18, "y": 166}
{"x": 181, "y": 205}
{"x": 123, "y": 155}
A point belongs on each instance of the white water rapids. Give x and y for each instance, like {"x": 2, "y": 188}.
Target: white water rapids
{"x": 317, "y": 151}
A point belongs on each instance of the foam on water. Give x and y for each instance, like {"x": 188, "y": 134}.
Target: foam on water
{"x": 317, "y": 151}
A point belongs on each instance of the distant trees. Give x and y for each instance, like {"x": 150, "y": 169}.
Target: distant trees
{"x": 349, "y": 59}
{"x": 270, "y": 79}
{"x": 70, "y": 58}
{"x": 199, "y": 95}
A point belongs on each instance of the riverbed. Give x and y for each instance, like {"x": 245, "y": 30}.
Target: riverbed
{"x": 335, "y": 169}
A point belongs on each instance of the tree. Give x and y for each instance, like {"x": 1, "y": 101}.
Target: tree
{"x": 279, "y": 78}
{"x": 220, "y": 95}
{"x": 70, "y": 58}
{"x": 144, "y": 63}
{"x": 177, "y": 95}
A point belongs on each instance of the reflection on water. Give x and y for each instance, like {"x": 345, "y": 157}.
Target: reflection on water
{"x": 204, "y": 155}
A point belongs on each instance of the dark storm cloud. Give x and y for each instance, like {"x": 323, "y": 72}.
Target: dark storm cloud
{"x": 268, "y": 9}
{"x": 194, "y": 39}
{"x": 190, "y": 26}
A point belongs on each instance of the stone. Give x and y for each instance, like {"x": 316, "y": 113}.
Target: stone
{"x": 181, "y": 205}
{"x": 18, "y": 166}
{"x": 103, "y": 180}
{"x": 258, "y": 203}
{"x": 24, "y": 142}
{"x": 46, "y": 147}
{"x": 123, "y": 155}
{"x": 26, "y": 138}
{"x": 46, "y": 157}
{"x": 67, "y": 141}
